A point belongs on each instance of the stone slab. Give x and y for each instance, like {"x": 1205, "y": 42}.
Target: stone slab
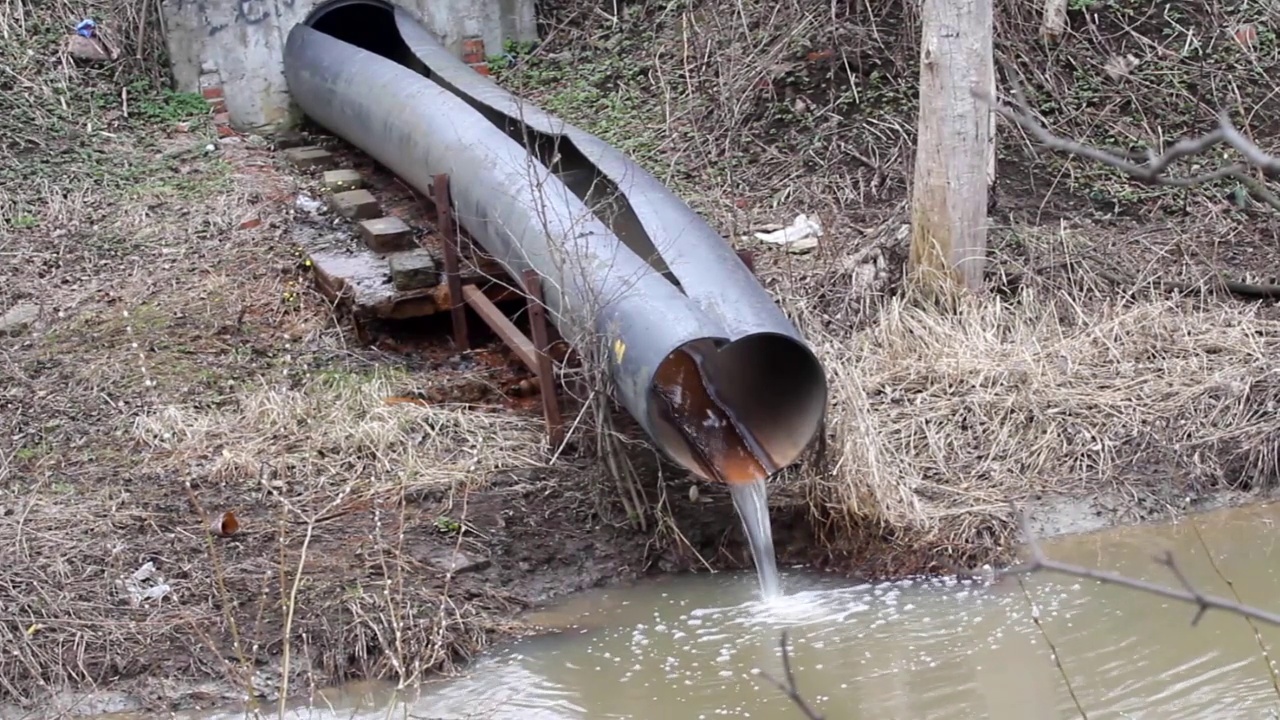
{"x": 386, "y": 234}
{"x": 289, "y": 139}
{"x": 356, "y": 205}
{"x": 309, "y": 157}
{"x": 342, "y": 180}
{"x": 349, "y": 273}
{"x": 413, "y": 270}
{"x": 457, "y": 561}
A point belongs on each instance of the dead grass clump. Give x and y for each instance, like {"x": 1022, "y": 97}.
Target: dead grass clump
{"x": 337, "y": 426}
{"x": 939, "y": 421}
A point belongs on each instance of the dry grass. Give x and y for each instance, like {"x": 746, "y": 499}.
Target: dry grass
{"x": 181, "y": 367}
{"x": 337, "y": 429}
{"x": 939, "y": 421}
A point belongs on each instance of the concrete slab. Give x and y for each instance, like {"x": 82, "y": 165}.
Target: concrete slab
{"x": 356, "y": 205}
{"x": 336, "y": 181}
{"x": 386, "y": 234}
{"x": 309, "y": 157}
{"x": 413, "y": 270}
{"x": 349, "y": 273}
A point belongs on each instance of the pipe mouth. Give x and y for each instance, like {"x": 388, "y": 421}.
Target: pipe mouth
{"x": 369, "y": 25}
{"x": 323, "y": 9}
{"x": 740, "y": 411}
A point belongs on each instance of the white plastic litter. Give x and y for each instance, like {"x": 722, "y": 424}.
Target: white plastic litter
{"x": 308, "y": 204}
{"x": 145, "y": 584}
{"x": 798, "y": 237}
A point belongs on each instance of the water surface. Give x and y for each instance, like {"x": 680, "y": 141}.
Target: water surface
{"x": 693, "y": 647}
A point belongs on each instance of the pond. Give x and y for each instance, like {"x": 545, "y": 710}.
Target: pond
{"x": 696, "y": 646}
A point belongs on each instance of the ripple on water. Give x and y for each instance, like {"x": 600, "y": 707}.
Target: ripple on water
{"x": 923, "y": 649}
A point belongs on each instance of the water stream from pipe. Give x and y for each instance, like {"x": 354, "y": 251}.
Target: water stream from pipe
{"x": 725, "y": 449}
{"x": 752, "y": 503}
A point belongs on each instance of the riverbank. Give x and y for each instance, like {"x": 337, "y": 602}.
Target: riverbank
{"x": 172, "y": 363}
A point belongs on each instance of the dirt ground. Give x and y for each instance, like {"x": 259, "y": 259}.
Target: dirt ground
{"x": 170, "y": 360}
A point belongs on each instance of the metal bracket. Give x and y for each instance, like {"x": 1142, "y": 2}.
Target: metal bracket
{"x": 534, "y": 353}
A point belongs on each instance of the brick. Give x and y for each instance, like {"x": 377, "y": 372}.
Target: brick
{"x": 356, "y": 205}
{"x": 222, "y": 119}
{"x": 217, "y": 106}
{"x": 342, "y": 180}
{"x": 386, "y": 234}
{"x": 212, "y": 93}
{"x": 413, "y": 270}
{"x": 473, "y": 45}
{"x": 309, "y": 157}
{"x": 226, "y": 131}
{"x": 482, "y": 68}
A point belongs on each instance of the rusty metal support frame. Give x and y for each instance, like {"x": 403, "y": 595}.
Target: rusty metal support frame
{"x": 533, "y": 353}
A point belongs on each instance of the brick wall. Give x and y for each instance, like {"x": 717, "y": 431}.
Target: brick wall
{"x": 473, "y": 54}
{"x": 211, "y": 89}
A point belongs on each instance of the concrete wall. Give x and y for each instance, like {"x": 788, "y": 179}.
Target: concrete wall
{"x": 233, "y": 50}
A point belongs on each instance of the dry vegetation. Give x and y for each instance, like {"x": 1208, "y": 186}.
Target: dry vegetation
{"x": 1078, "y": 377}
{"x": 181, "y": 367}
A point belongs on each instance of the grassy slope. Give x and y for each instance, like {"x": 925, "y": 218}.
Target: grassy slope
{"x": 1071, "y": 385}
{"x": 182, "y": 367}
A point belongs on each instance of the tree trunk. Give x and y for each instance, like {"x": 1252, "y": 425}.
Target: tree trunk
{"x": 955, "y": 151}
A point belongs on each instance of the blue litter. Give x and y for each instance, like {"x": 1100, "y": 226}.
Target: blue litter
{"x": 87, "y": 28}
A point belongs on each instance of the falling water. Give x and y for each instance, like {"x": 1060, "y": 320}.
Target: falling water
{"x": 725, "y": 449}
{"x": 752, "y": 502}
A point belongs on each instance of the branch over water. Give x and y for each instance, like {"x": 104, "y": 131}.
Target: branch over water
{"x": 1188, "y": 593}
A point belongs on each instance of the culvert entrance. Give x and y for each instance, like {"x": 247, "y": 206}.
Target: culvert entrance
{"x": 369, "y": 25}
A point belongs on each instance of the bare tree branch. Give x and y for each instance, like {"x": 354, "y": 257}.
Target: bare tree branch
{"x": 1188, "y": 593}
{"x": 1152, "y": 169}
{"x": 789, "y": 687}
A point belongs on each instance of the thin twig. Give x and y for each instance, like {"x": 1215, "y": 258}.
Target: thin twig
{"x": 1153, "y": 169}
{"x": 1053, "y": 649}
{"x": 1257, "y": 635}
{"x": 789, "y": 687}
{"x": 1039, "y": 562}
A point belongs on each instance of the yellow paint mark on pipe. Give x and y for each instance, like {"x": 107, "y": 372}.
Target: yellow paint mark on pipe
{"x": 619, "y": 349}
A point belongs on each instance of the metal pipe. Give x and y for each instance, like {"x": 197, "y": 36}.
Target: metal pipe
{"x": 701, "y": 355}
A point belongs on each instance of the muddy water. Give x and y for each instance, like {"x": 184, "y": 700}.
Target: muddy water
{"x": 692, "y": 647}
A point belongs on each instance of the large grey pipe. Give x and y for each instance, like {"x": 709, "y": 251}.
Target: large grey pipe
{"x": 701, "y": 355}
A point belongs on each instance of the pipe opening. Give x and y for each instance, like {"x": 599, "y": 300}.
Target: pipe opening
{"x": 738, "y": 412}
{"x": 371, "y": 25}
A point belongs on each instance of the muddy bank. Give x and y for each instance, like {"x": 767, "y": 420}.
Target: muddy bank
{"x": 409, "y": 585}
{"x": 523, "y": 540}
